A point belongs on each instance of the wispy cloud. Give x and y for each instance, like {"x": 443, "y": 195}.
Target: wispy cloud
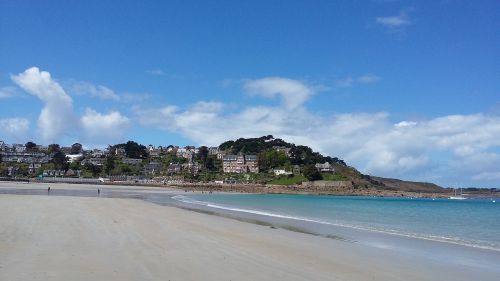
{"x": 134, "y": 97}
{"x": 8, "y": 92}
{"x": 292, "y": 92}
{"x": 351, "y": 81}
{"x": 14, "y": 128}
{"x": 157, "y": 72}
{"x": 99, "y": 91}
{"x": 394, "y": 21}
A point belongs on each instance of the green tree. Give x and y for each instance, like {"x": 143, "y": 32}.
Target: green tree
{"x": 30, "y": 146}
{"x": 76, "y": 148}
{"x": 75, "y": 165}
{"x": 60, "y": 160}
{"x": 109, "y": 165}
{"x": 94, "y": 170}
{"x": 53, "y": 148}
{"x": 203, "y": 155}
{"x": 226, "y": 145}
{"x": 311, "y": 173}
{"x": 135, "y": 150}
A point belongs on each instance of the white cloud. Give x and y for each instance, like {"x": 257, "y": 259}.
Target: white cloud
{"x": 134, "y": 97}
{"x": 292, "y": 92}
{"x": 15, "y": 129}
{"x": 157, "y": 72}
{"x": 392, "y": 22}
{"x": 490, "y": 176}
{"x": 99, "y": 91}
{"x": 344, "y": 82}
{"x": 351, "y": 81}
{"x": 368, "y": 78}
{"x": 441, "y": 149}
{"x": 8, "y": 92}
{"x": 99, "y": 128}
{"x": 403, "y": 124}
{"x": 56, "y": 118}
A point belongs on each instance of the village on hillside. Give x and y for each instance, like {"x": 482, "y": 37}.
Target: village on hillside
{"x": 258, "y": 160}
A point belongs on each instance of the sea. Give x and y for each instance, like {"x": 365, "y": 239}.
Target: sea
{"x": 470, "y": 222}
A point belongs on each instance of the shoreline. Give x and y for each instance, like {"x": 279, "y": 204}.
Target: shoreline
{"x": 269, "y": 189}
{"x": 155, "y": 225}
{"x": 239, "y": 215}
{"x": 266, "y": 219}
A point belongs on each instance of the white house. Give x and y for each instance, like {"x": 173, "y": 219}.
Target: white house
{"x": 325, "y": 167}
{"x": 279, "y": 172}
{"x": 73, "y": 157}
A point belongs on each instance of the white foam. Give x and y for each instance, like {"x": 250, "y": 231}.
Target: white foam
{"x": 452, "y": 240}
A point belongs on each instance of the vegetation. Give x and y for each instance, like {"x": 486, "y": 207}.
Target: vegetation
{"x": 273, "y": 153}
{"x": 333, "y": 177}
{"x": 289, "y": 180}
{"x": 31, "y": 147}
{"x": 132, "y": 149}
{"x": 311, "y": 173}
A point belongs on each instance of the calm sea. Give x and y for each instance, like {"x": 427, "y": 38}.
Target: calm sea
{"x": 471, "y": 222}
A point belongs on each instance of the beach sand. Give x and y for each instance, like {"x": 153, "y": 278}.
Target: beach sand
{"x": 78, "y": 238}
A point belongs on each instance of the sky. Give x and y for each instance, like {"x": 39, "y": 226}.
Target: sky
{"x": 404, "y": 89}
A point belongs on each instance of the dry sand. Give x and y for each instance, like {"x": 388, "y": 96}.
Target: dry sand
{"x": 75, "y": 238}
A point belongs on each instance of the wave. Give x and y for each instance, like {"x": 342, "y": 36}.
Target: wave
{"x": 436, "y": 238}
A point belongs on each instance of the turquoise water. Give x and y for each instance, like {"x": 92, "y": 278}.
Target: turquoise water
{"x": 471, "y": 222}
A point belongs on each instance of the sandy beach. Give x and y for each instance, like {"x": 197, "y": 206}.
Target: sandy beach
{"x": 78, "y": 238}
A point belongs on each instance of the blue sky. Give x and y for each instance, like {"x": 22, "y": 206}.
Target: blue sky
{"x": 407, "y": 89}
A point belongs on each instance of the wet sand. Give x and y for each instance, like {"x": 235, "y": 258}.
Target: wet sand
{"x": 77, "y": 238}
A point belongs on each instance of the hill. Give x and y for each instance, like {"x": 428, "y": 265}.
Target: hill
{"x": 275, "y": 153}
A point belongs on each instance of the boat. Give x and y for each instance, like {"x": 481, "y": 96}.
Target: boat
{"x": 457, "y": 197}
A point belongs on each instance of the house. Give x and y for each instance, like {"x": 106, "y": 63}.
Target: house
{"x": 33, "y": 167}
{"x": 186, "y": 152}
{"x": 131, "y": 161}
{"x": 73, "y": 173}
{"x": 192, "y": 167}
{"x": 42, "y": 148}
{"x": 97, "y": 153}
{"x": 213, "y": 150}
{"x": 220, "y": 155}
{"x": 172, "y": 148}
{"x": 2, "y": 146}
{"x": 74, "y": 157}
{"x": 153, "y": 151}
{"x": 53, "y": 173}
{"x": 25, "y": 157}
{"x": 120, "y": 151}
{"x": 325, "y": 167}
{"x": 19, "y": 148}
{"x": 174, "y": 168}
{"x": 13, "y": 171}
{"x": 279, "y": 172}
{"x": 94, "y": 161}
{"x": 283, "y": 149}
{"x": 152, "y": 168}
{"x": 240, "y": 164}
